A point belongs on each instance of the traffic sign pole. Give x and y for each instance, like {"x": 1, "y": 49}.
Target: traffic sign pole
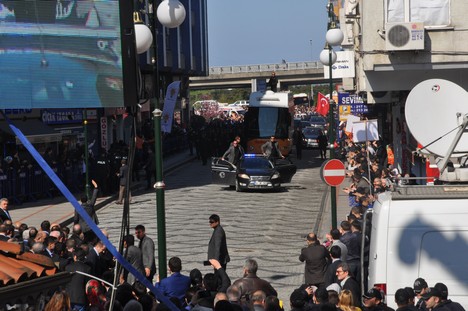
{"x": 333, "y": 173}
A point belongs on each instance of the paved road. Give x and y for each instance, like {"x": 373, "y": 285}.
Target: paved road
{"x": 266, "y": 226}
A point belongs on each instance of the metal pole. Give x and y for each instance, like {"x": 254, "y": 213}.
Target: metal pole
{"x": 331, "y": 120}
{"x": 86, "y": 153}
{"x": 159, "y": 185}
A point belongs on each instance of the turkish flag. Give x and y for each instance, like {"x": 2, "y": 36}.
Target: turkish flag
{"x": 323, "y": 105}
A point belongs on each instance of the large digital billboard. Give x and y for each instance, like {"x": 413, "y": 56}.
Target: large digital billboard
{"x": 67, "y": 53}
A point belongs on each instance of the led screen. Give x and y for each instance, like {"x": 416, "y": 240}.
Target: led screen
{"x": 66, "y": 53}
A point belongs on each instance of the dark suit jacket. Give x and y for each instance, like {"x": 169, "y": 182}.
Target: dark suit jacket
{"x": 352, "y": 285}
{"x": 89, "y": 208}
{"x": 316, "y": 263}
{"x": 135, "y": 258}
{"x": 217, "y": 247}
{"x": 94, "y": 261}
{"x": 4, "y": 216}
{"x": 147, "y": 249}
{"x": 76, "y": 287}
{"x": 330, "y": 275}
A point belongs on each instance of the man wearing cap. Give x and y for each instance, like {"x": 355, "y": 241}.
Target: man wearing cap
{"x": 454, "y": 306}
{"x": 433, "y": 299}
{"x": 371, "y": 300}
{"x": 316, "y": 259}
{"x": 420, "y": 287}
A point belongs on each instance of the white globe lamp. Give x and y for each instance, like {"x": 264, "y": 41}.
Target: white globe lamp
{"x": 325, "y": 57}
{"x": 171, "y": 13}
{"x": 334, "y": 36}
{"x": 143, "y": 38}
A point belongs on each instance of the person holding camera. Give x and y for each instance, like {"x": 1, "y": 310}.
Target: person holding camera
{"x": 316, "y": 258}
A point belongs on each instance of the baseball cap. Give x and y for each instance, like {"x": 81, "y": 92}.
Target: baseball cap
{"x": 442, "y": 289}
{"x": 373, "y": 293}
{"x": 431, "y": 293}
{"x": 419, "y": 284}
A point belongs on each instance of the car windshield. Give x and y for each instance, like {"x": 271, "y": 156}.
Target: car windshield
{"x": 256, "y": 163}
{"x": 317, "y": 120}
{"x": 311, "y": 131}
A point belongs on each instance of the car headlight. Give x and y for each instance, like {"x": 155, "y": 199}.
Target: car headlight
{"x": 275, "y": 176}
{"x": 244, "y": 176}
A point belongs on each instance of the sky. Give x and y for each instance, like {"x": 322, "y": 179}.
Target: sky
{"x": 248, "y": 32}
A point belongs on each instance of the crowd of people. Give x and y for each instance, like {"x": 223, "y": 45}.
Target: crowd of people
{"x": 331, "y": 278}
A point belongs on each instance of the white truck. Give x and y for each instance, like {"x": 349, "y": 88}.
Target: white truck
{"x": 419, "y": 231}
{"x": 422, "y": 230}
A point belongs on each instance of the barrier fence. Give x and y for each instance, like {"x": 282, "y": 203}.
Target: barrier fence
{"x": 30, "y": 183}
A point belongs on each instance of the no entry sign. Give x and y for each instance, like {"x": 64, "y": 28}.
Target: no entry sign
{"x": 333, "y": 172}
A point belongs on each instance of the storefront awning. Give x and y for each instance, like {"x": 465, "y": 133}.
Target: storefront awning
{"x": 34, "y": 130}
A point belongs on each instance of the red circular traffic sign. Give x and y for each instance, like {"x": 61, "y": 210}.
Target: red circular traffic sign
{"x": 333, "y": 172}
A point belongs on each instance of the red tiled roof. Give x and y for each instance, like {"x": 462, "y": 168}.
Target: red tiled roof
{"x": 18, "y": 266}
{"x": 26, "y": 277}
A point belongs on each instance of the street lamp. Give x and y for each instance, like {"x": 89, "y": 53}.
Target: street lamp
{"x": 171, "y": 14}
{"x": 334, "y": 37}
{"x": 86, "y": 153}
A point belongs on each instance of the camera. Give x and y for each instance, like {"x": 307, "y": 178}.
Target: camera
{"x": 206, "y": 263}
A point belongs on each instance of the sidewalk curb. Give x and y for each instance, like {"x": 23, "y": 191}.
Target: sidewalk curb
{"x": 133, "y": 187}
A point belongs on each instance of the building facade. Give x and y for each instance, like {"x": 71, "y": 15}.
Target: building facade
{"x": 398, "y": 44}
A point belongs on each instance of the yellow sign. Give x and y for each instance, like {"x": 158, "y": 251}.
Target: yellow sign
{"x": 344, "y": 111}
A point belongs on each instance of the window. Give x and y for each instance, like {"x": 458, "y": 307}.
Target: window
{"x": 431, "y": 12}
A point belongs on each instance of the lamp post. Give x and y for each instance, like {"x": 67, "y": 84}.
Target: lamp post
{"x": 171, "y": 14}
{"x": 334, "y": 37}
{"x": 86, "y": 152}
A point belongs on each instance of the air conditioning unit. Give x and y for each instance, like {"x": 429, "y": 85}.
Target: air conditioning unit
{"x": 404, "y": 36}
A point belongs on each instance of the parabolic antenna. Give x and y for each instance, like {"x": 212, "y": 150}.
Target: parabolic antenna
{"x": 435, "y": 109}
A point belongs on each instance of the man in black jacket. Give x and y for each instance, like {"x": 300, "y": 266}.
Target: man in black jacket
{"x": 88, "y": 206}
{"x": 316, "y": 259}
{"x": 273, "y": 82}
{"x": 217, "y": 247}
{"x": 348, "y": 282}
{"x": 453, "y": 306}
{"x": 76, "y": 287}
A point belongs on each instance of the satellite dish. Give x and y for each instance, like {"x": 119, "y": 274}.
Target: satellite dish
{"x": 434, "y": 109}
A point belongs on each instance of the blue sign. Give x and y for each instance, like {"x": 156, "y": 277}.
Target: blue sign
{"x": 355, "y": 102}
{"x": 62, "y": 116}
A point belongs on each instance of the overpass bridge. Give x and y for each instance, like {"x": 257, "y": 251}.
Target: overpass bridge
{"x": 288, "y": 73}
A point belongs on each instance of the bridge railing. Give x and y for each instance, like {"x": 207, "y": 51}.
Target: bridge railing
{"x": 265, "y": 67}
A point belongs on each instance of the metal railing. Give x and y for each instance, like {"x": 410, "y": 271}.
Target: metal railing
{"x": 265, "y": 67}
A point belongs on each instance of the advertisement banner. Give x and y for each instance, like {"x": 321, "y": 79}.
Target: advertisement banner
{"x": 169, "y": 105}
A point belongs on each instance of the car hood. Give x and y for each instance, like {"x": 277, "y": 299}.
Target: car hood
{"x": 258, "y": 172}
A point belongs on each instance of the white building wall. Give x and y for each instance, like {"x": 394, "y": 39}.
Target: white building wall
{"x": 445, "y": 53}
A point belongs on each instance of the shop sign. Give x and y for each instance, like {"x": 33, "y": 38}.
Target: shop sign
{"x": 104, "y": 129}
{"x": 351, "y": 104}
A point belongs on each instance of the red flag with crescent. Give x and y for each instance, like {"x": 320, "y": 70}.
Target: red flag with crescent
{"x": 322, "y": 104}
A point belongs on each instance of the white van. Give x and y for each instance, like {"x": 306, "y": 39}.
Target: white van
{"x": 419, "y": 231}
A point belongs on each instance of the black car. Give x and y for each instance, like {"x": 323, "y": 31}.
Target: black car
{"x": 318, "y": 121}
{"x": 253, "y": 172}
{"x": 311, "y": 135}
